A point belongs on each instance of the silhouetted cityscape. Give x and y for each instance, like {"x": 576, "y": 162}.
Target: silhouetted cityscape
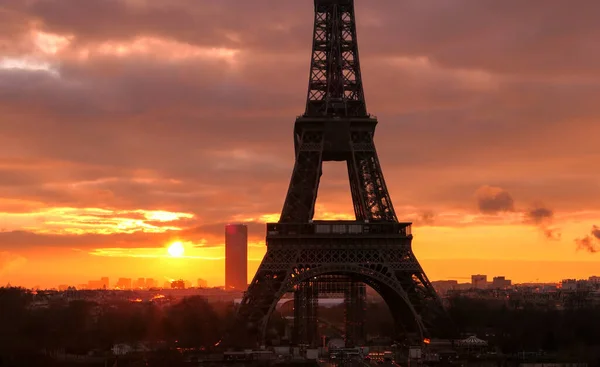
{"x": 145, "y": 137}
{"x": 483, "y": 310}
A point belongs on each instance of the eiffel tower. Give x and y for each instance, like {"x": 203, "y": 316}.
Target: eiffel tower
{"x": 375, "y": 249}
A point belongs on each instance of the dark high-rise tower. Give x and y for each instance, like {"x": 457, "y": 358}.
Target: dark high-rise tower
{"x": 236, "y": 256}
{"x": 375, "y": 248}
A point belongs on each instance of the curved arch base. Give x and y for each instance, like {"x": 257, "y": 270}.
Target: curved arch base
{"x": 389, "y": 267}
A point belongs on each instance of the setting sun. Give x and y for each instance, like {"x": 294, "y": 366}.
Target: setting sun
{"x": 176, "y": 249}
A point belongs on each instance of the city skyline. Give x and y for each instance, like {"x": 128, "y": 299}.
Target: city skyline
{"x": 118, "y": 142}
{"x": 203, "y": 283}
{"x": 477, "y": 281}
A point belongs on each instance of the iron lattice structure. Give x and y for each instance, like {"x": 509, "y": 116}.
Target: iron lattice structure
{"x": 375, "y": 249}
{"x": 306, "y": 317}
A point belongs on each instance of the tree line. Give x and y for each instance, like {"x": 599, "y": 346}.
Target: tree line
{"x": 82, "y": 326}
{"x": 571, "y": 331}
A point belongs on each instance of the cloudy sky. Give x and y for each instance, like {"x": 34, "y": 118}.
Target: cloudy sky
{"x": 126, "y": 125}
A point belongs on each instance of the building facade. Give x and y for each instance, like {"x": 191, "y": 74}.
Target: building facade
{"x": 479, "y": 281}
{"x": 501, "y": 282}
{"x": 236, "y": 257}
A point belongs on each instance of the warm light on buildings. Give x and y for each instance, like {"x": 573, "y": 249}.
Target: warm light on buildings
{"x": 236, "y": 256}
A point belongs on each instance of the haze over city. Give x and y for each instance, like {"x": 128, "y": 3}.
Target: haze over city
{"x": 128, "y": 126}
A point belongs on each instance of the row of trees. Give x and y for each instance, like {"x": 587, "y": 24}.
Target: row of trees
{"x": 81, "y": 326}
{"x": 530, "y": 328}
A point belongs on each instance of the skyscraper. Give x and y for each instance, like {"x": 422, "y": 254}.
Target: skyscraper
{"x": 236, "y": 256}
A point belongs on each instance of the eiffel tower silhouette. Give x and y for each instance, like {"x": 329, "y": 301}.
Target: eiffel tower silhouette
{"x": 375, "y": 249}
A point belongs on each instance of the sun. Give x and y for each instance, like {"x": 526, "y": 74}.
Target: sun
{"x": 176, "y": 249}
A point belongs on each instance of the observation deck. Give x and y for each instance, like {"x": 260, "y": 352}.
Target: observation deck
{"x": 339, "y": 229}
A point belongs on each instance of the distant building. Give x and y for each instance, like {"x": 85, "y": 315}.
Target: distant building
{"x": 98, "y": 284}
{"x": 576, "y": 285}
{"x": 202, "y": 283}
{"x": 501, "y": 282}
{"x": 568, "y": 284}
{"x": 178, "y": 284}
{"x": 63, "y": 287}
{"x": 140, "y": 283}
{"x": 95, "y": 284}
{"x": 150, "y": 283}
{"x": 236, "y": 256}
{"x": 123, "y": 283}
{"x": 443, "y": 286}
{"x": 479, "y": 281}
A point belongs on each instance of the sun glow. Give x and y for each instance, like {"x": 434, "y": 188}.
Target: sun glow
{"x": 176, "y": 249}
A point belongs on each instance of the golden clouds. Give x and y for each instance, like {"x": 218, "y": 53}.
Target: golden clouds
{"x": 37, "y": 51}
{"x": 49, "y": 43}
{"x": 157, "y": 48}
{"x": 94, "y": 221}
{"x": 44, "y": 51}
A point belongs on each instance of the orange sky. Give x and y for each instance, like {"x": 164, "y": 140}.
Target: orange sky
{"x": 127, "y": 125}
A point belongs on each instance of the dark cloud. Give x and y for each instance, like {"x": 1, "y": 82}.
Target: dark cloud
{"x": 552, "y": 234}
{"x": 539, "y": 215}
{"x": 539, "y": 37}
{"x": 426, "y": 218}
{"x": 257, "y": 25}
{"x": 542, "y": 217}
{"x": 590, "y": 242}
{"x": 492, "y": 200}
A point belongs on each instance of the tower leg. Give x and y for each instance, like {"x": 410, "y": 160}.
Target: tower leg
{"x": 297, "y": 265}
{"x": 305, "y": 314}
{"x": 355, "y": 307}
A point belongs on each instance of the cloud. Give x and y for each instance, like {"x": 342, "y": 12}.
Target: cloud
{"x": 543, "y": 217}
{"x": 492, "y": 200}
{"x": 539, "y": 214}
{"x": 188, "y": 107}
{"x": 552, "y": 234}
{"x": 426, "y": 218}
{"x": 590, "y": 242}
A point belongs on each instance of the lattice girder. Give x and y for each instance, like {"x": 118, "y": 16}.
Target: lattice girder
{"x": 318, "y": 140}
{"x": 389, "y": 268}
{"x": 306, "y": 297}
{"x": 335, "y": 83}
{"x": 304, "y": 185}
